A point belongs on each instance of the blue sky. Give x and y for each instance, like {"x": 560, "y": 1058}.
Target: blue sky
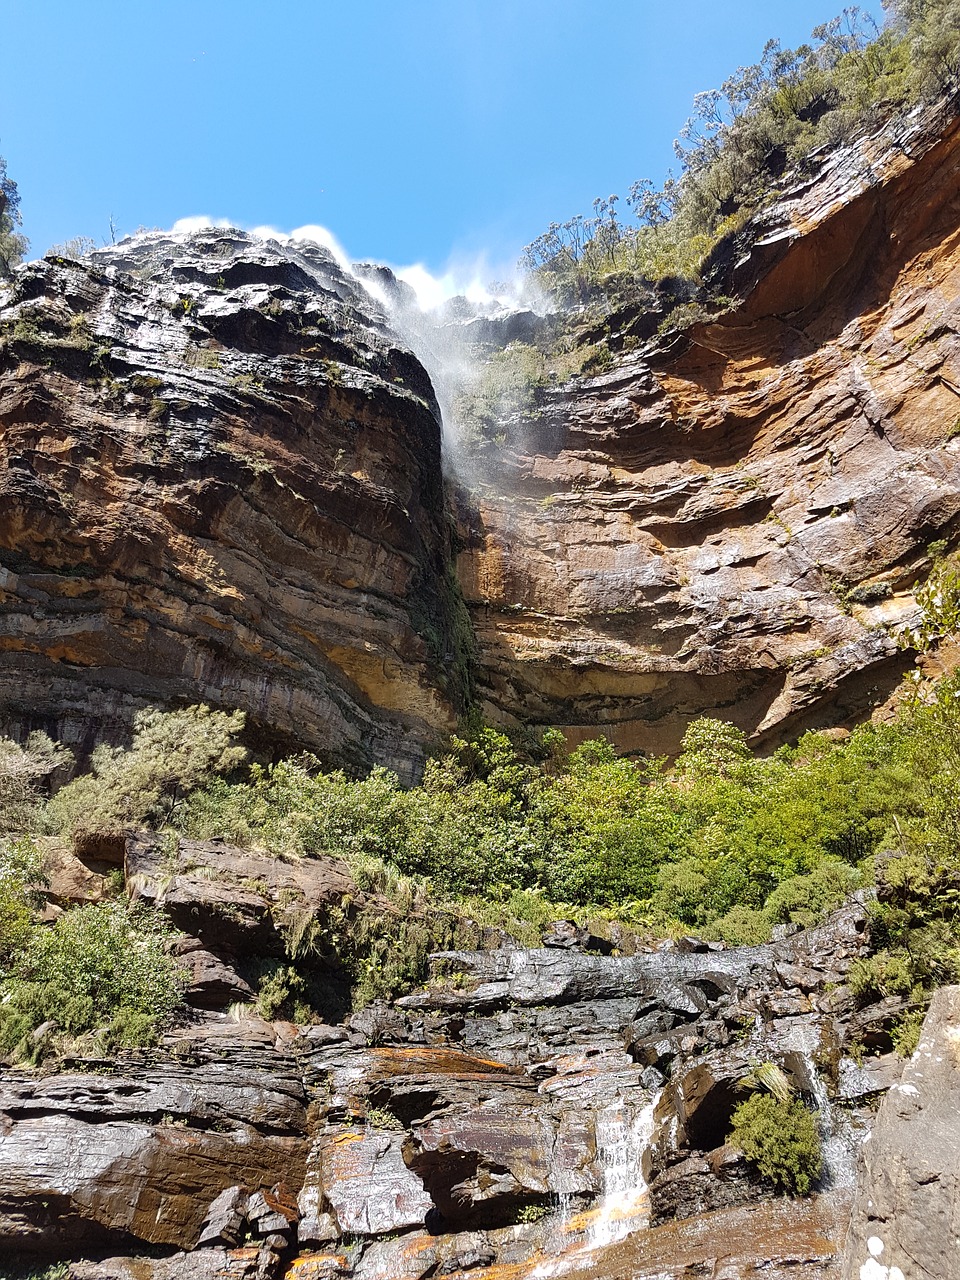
{"x": 436, "y": 131}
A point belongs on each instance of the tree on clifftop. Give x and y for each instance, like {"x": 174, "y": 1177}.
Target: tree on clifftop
{"x": 12, "y": 244}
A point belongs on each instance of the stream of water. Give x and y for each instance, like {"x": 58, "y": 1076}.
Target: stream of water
{"x": 840, "y": 1144}
{"x": 623, "y": 1134}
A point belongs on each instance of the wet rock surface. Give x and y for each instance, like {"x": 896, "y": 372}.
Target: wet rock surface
{"x": 526, "y": 1113}
{"x": 145, "y": 1147}
{"x": 905, "y": 1213}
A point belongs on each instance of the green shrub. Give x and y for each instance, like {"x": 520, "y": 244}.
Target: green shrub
{"x": 21, "y": 874}
{"x": 805, "y": 899}
{"x": 780, "y": 1139}
{"x": 746, "y": 139}
{"x": 887, "y": 973}
{"x": 381, "y": 1118}
{"x": 603, "y": 825}
{"x": 531, "y": 1213}
{"x": 34, "y": 1271}
{"x": 100, "y": 971}
{"x": 294, "y": 808}
{"x": 906, "y": 1033}
{"x": 172, "y": 754}
{"x": 725, "y": 843}
{"x": 22, "y": 770}
{"x": 724, "y": 837}
{"x": 278, "y": 985}
{"x": 741, "y": 927}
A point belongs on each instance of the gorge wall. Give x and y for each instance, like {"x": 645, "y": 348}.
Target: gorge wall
{"x": 730, "y": 519}
{"x": 222, "y": 481}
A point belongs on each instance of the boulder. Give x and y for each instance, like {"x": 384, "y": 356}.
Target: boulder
{"x": 164, "y": 1152}
{"x": 906, "y": 1215}
{"x": 359, "y": 1177}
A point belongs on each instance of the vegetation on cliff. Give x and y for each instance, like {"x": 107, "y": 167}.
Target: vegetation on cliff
{"x": 764, "y": 126}
{"x": 505, "y": 832}
{"x": 779, "y": 1137}
{"x": 12, "y": 244}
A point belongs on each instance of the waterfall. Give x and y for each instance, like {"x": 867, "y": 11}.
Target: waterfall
{"x": 840, "y": 1144}
{"x": 443, "y": 337}
{"x": 623, "y": 1134}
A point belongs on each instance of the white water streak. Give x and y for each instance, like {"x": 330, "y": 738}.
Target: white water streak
{"x": 623, "y": 1135}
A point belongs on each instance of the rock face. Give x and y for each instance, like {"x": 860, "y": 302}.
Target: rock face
{"x": 220, "y": 481}
{"x": 904, "y": 1219}
{"x": 148, "y": 1148}
{"x": 728, "y": 520}
{"x": 526, "y": 1113}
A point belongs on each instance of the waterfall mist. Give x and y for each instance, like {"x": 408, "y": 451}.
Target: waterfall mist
{"x": 454, "y": 322}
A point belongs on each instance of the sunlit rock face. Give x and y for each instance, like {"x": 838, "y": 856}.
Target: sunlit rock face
{"x": 220, "y": 480}
{"x": 525, "y": 1115}
{"x": 730, "y": 520}
{"x": 904, "y": 1220}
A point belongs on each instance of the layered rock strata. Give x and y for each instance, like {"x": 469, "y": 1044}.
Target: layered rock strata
{"x": 731, "y": 518}
{"x": 220, "y": 481}
{"x": 528, "y": 1112}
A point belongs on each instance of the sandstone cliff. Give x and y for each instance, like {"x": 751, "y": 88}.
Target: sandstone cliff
{"x": 220, "y": 481}
{"x": 729, "y": 519}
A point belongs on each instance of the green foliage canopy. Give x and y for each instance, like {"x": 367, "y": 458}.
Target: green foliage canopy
{"x": 12, "y": 244}
{"x": 172, "y": 753}
{"x": 100, "y": 970}
{"x": 765, "y": 122}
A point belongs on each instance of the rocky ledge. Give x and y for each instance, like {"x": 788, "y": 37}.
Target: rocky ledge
{"x": 527, "y": 1112}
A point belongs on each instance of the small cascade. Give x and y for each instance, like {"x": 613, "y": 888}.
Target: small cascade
{"x": 623, "y": 1134}
{"x": 840, "y": 1143}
